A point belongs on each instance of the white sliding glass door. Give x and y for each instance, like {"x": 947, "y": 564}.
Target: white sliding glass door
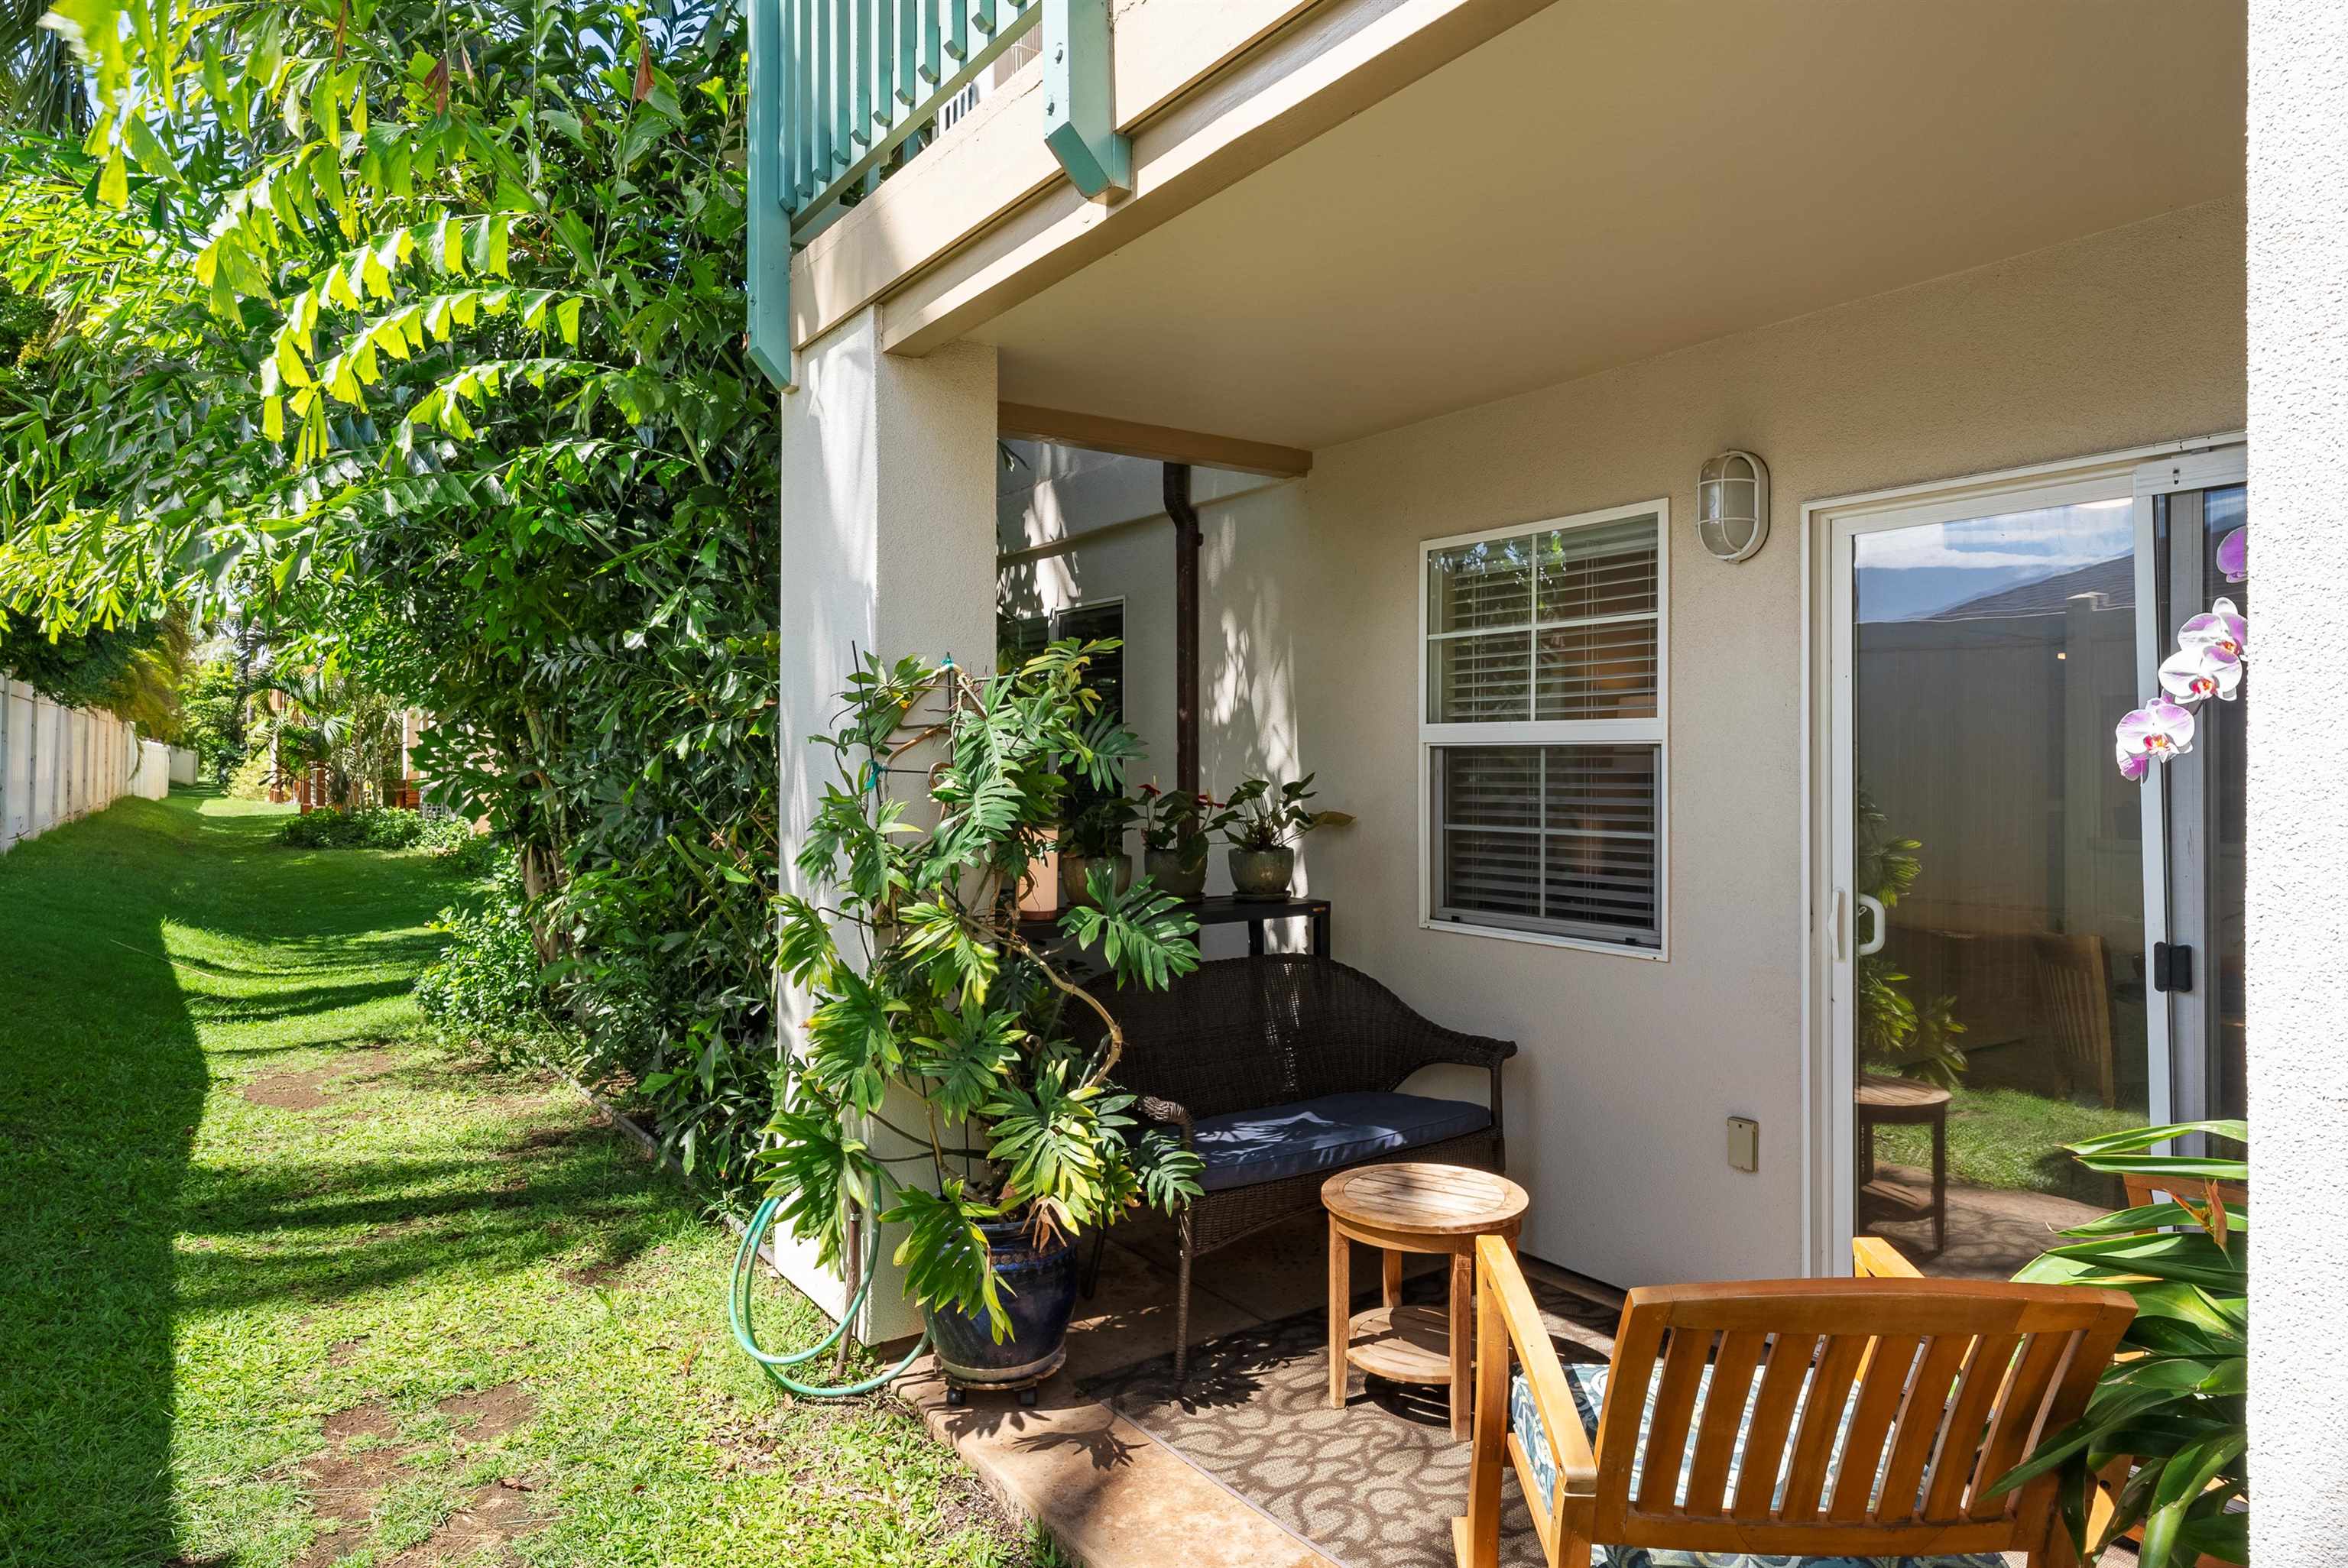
{"x": 1997, "y": 889}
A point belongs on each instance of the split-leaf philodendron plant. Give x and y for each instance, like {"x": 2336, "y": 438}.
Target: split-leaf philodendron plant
{"x": 940, "y": 1020}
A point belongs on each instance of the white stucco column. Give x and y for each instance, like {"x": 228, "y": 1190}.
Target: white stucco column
{"x": 2298, "y": 811}
{"x": 888, "y": 547}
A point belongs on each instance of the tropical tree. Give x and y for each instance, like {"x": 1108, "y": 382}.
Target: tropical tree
{"x": 42, "y": 86}
{"x": 431, "y": 314}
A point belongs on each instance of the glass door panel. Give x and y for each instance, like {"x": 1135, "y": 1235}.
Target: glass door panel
{"x": 1996, "y": 997}
{"x": 2204, "y": 794}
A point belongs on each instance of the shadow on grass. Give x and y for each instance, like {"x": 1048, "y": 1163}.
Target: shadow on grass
{"x": 102, "y": 1082}
{"x": 388, "y": 1222}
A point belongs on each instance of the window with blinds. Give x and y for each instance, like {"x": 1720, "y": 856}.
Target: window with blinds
{"x": 1543, "y": 727}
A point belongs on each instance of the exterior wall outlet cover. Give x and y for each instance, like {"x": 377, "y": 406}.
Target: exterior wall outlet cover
{"x": 1744, "y": 1143}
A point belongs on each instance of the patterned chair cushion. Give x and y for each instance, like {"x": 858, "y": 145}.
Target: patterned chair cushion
{"x": 1588, "y": 1385}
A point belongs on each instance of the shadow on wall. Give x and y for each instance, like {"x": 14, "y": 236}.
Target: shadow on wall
{"x": 1081, "y": 529}
{"x": 1247, "y": 655}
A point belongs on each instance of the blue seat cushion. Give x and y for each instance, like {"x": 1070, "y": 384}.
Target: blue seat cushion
{"x": 1242, "y": 1147}
{"x": 1588, "y": 1385}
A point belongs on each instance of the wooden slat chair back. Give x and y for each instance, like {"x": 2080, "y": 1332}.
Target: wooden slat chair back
{"x": 1850, "y": 1417}
{"x": 2144, "y": 1191}
{"x": 2074, "y": 994}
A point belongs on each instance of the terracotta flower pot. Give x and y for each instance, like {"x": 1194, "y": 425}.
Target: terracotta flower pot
{"x": 1263, "y": 873}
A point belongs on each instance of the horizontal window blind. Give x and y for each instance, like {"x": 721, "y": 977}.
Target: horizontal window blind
{"x": 1550, "y": 837}
{"x": 1545, "y": 626}
{"x": 1548, "y": 825}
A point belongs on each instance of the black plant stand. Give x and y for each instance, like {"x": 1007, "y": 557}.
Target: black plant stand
{"x": 1256, "y": 913}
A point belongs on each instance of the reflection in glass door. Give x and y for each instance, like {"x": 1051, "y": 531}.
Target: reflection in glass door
{"x": 1994, "y": 995}
{"x": 2199, "y": 797}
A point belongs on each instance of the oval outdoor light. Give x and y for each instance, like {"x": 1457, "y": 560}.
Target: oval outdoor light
{"x": 1732, "y": 505}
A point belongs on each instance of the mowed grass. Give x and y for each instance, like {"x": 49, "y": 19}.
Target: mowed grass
{"x": 282, "y": 1284}
{"x": 2012, "y": 1139}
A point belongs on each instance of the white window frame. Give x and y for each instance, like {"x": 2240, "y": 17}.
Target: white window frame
{"x": 1654, "y": 732}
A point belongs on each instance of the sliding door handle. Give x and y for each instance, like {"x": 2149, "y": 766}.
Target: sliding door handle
{"x": 1875, "y": 927}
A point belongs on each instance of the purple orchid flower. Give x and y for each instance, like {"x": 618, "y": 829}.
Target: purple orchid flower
{"x": 2221, "y": 627}
{"x": 2155, "y": 733}
{"x": 2199, "y": 670}
{"x": 2233, "y": 557}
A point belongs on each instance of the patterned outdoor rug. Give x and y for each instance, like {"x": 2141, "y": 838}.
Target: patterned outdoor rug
{"x": 1373, "y": 1485}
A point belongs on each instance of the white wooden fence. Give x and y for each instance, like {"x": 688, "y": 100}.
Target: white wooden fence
{"x": 57, "y": 764}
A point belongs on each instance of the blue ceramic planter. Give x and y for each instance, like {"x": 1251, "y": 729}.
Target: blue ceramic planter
{"x": 1039, "y": 1293}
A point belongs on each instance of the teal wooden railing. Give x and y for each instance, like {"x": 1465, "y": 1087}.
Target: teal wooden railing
{"x": 841, "y": 91}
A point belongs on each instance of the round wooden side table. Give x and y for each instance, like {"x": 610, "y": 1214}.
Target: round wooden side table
{"x": 1881, "y": 1099}
{"x": 1413, "y": 1208}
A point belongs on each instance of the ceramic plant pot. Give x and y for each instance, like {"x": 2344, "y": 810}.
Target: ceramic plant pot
{"x": 1263, "y": 873}
{"x": 1182, "y": 873}
{"x": 1039, "y": 1293}
{"x": 1076, "y": 873}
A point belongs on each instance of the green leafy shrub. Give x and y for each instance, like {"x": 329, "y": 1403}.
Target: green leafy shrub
{"x": 462, "y": 852}
{"x": 250, "y": 779}
{"x": 365, "y": 827}
{"x": 485, "y": 989}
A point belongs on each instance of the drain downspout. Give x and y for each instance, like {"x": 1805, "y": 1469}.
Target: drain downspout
{"x": 1186, "y": 540}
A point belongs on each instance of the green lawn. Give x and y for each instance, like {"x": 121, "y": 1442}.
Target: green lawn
{"x": 2012, "y": 1139}
{"x": 280, "y": 1284}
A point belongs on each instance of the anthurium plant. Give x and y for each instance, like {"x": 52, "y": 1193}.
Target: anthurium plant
{"x": 1174, "y": 821}
{"x": 941, "y": 1018}
{"x": 2167, "y": 1424}
{"x": 1263, "y": 814}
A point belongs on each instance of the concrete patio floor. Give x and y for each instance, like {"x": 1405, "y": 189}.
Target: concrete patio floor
{"x": 1992, "y": 1232}
{"x": 1111, "y": 1494}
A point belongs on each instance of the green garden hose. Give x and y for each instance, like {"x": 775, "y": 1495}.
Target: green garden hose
{"x": 737, "y": 1312}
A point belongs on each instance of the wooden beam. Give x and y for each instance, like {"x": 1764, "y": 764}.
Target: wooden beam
{"x": 1157, "y": 443}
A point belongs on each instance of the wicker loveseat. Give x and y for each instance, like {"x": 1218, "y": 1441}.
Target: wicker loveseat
{"x": 1282, "y": 1071}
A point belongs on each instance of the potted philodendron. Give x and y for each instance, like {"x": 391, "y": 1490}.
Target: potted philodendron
{"x": 953, "y": 1078}
{"x": 1094, "y": 838}
{"x": 1174, "y": 839}
{"x": 1261, "y": 822}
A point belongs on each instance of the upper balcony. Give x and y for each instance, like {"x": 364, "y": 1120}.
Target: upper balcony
{"x": 892, "y": 136}
{"x": 1299, "y": 222}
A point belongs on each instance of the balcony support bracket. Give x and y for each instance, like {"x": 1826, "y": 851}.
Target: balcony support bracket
{"x": 1079, "y": 99}
{"x": 769, "y": 280}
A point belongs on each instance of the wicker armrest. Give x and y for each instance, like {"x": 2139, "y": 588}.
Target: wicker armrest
{"x": 1166, "y": 1111}
{"x": 1436, "y": 1043}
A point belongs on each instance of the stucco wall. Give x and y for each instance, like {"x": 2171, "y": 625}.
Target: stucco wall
{"x": 1629, "y": 1066}
{"x": 887, "y": 466}
{"x": 2297, "y": 822}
